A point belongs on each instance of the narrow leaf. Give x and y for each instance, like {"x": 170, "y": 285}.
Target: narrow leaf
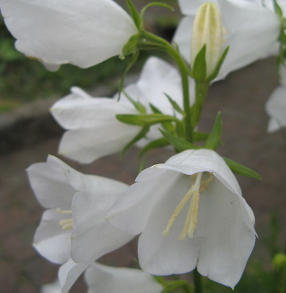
{"x": 199, "y": 69}
{"x": 175, "y": 104}
{"x": 142, "y": 13}
{"x": 200, "y": 136}
{"x": 138, "y": 106}
{"x": 158, "y": 143}
{"x": 240, "y": 169}
{"x": 278, "y": 9}
{"x": 178, "y": 143}
{"x": 155, "y": 109}
{"x": 214, "y": 138}
{"x": 218, "y": 66}
{"x": 135, "y": 15}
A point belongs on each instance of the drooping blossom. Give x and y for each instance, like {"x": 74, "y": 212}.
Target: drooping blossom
{"x": 94, "y": 131}
{"x": 191, "y": 214}
{"x": 105, "y": 279}
{"x": 67, "y": 194}
{"x": 276, "y": 105}
{"x": 83, "y": 33}
{"x": 251, "y": 31}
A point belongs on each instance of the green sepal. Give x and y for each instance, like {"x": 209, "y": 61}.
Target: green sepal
{"x": 175, "y": 104}
{"x": 155, "y": 4}
{"x": 278, "y": 9}
{"x": 168, "y": 126}
{"x": 135, "y": 15}
{"x": 214, "y": 138}
{"x": 130, "y": 47}
{"x": 215, "y": 73}
{"x": 143, "y": 120}
{"x": 140, "y": 135}
{"x": 178, "y": 143}
{"x": 129, "y": 66}
{"x": 155, "y": 109}
{"x": 200, "y": 136}
{"x": 138, "y": 106}
{"x": 199, "y": 70}
{"x": 240, "y": 169}
{"x": 155, "y": 144}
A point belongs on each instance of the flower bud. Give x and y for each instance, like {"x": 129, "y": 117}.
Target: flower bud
{"x": 207, "y": 30}
{"x": 279, "y": 262}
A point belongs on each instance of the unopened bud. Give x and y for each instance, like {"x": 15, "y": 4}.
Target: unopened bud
{"x": 207, "y": 30}
{"x": 279, "y": 262}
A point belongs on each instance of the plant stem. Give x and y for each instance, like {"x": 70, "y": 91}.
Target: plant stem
{"x": 198, "y": 282}
{"x": 150, "y": 41}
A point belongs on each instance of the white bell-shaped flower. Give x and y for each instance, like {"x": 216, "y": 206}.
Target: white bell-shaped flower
{"x": 191, "y": 214}
{"x": 94, "y": 131}
{"x": 83, "y": 33}
{"x": 251, "y": 31}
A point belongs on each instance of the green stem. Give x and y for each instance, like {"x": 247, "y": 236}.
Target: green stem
{"x": 149, "y": 41}
{"x": 198, "y": 282}
{"x": 201, "y": 93}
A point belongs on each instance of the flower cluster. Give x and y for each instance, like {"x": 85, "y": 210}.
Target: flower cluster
{"x": 189, "y": 211}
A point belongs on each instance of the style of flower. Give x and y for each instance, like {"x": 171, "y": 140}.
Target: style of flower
{"x": 105, "y": 279}
{"x": 94, "y": 131}
{"x": 276, "y": 105}
{"x": 75, "y": 217}
{"x": 251, "y": 31}
{"x": 191, "y": 214}
{"x": 83, "y": 33}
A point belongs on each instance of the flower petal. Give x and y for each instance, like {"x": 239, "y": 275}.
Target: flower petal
{"x": 228, "y": 235}
{"x": 79, "y": 110}
{"x": 69, "y": 272}
{"x": 190, "y": 7}
{"x": 50, "y": 185}
{"x": 90, "y": 224}
{"x": 83, "y": 34}
{"x": 276, "y": 109}
{"x": 50, "y": 240}
{"x": 51, "y": 288}
{"x": 104, "y": 279}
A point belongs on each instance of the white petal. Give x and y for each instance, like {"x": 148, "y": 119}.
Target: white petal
{"x": 50, "y": 240}
{"x": 87, "y": 145}
{"x": 228, "y": 235}
{"x": 104, "y": 279}
{"x": 83, "y": 34}
{"x": 50, "y": 185}
{"x": 190, "y": 7}
{"x": 79, "y": 110}
{"x": 51, "y": 288}
{"x": 90, "y": 224}
{"x": 276, "y": 109}
{"x": 132, "y": 210}
{"x": 69, "y": 273}
{"x": 160, "y": 255}
{"x": 194, "y": 161}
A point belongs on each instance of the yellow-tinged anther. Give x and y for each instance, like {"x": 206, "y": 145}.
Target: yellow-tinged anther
{"x": 66, "y": 224}
{"x": 60, "y": 211}
{"x": 206, "y": 183}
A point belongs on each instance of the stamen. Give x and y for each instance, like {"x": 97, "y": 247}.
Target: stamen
{"x": 208, "y": 181}
{"x": 66, "y": 224}
{"x": 60, "y": 211}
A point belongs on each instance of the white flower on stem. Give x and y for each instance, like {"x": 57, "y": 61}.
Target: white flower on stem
{"x": 83, "y": 33}
{"x": 105, "y": 279}
{"x": 251, "y": 31}
{"x": 54, "y": 287}
{"x": 75, "y": 217}
{"x": 276, "y": 105}
{"x": 191, "y": 213}
{"x": 94, "y": 131}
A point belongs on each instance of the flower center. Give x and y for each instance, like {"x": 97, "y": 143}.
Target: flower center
{"x": 66, "y": 223}
{"x": 192, "y": 215}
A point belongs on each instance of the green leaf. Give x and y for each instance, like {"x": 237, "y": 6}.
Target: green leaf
{"x": 140, "y": 135}
{"x": 178, "y": 143}
{"x": 142, "y": 13}
{"x": 129, "y": 66}
{"x": 240, "y": 169}
{"x": 158, "y": 143}
{"x": 135, "y": 15}
{"x": 214, "y": 138}
{"x": 200, "y": 136}
{"x": 278, "y": 9}
{"x": 138, "y": 106}
{"x": 218, "y": 66}
{"x": 175, "y": 104}
{"x": 143, "y": 120}
{"x": 199, "y": 69}
{"x": 155, "y": 109}
{"x": 130, "y": 47}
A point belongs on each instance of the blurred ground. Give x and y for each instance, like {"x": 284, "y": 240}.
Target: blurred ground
{"x": 241, "y": 99}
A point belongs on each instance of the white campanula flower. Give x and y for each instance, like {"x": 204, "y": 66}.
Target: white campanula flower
{"x": 94, "y": 131}
{"x": 276, "y": 105}
{"x": 251, "y": 31}
{"x": 54, "y": 287}
{"x": 75, "y": 217}
{"x": 105, "y": 279}
{"x": 83, "y": 33}
{"x": 191, "y": 214}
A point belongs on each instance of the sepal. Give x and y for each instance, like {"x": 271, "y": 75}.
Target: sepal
{"x": 135, "y": 15}
{"x": 214, "y": 139}
{"x": 155, "y": 144}
{"x": 199, "y": 70}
